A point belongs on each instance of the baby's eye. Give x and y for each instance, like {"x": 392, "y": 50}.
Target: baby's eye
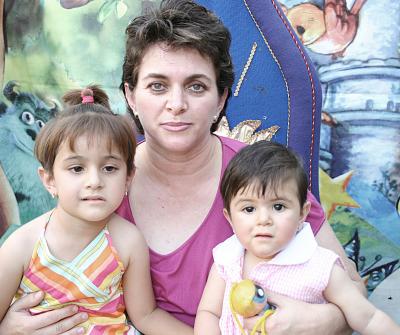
{"x": 197, "y": 88}
{"x": 249, "y": 209}
{"x": 279, "y": 207}
{"x": 76, "y": 169}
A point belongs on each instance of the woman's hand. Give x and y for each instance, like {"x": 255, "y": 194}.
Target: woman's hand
{"x": 18, "y": 321}
{"x": 294, "y": 317}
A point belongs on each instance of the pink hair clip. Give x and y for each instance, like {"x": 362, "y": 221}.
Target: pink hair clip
{"x": 87, "y": 99}
{"x": 87, "y": 96}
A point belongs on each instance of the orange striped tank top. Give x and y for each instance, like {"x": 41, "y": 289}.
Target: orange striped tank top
{"x": 92, "y": 281}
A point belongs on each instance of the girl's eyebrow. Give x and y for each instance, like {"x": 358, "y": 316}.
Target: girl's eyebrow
{"x": 80, "y": 157}
{"x": 239, "y": 201}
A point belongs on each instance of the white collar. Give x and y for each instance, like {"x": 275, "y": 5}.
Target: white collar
{"x": 299, "y": 250}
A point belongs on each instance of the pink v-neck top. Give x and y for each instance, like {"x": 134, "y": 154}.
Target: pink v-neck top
{"x": 180, "y": 276}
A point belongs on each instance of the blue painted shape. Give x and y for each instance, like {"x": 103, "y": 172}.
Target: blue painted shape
{"x": 281, "y": 87}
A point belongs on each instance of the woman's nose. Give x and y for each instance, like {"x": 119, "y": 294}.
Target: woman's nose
{"x": 176, "y": 103}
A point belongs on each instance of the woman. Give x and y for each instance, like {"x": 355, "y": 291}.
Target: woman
{"x": 177, "y": 75}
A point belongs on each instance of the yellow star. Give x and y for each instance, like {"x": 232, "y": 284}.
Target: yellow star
{"x": 333, "y": 192}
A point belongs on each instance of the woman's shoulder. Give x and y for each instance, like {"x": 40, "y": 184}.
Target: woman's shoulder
{"x": 231, "y": 144}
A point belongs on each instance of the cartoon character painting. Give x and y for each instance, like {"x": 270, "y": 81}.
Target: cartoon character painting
{"x": 327, "y": 31}
{"x": 354, "y": 46}
{"x": 20, "y": 122}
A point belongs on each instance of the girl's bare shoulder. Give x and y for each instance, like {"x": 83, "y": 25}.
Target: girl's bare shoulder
{"x": 22, "y": 241}
{"x": 126, "y": 237}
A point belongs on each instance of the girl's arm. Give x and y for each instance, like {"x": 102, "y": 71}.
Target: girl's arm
{"x": 210, "y": 307}
{"x": 361, "y": 315}
{"x": 138, "y": 292}
{"x": 12, "y": 268}
{"x": 16, "y": 319}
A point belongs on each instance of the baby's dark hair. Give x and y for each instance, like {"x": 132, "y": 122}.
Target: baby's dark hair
{"x": 266, "y": 165}
{"x": 87, "y": 114}
{"x": 179, "y": 24}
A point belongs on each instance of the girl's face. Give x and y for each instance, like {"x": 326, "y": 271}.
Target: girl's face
{"x": 176, "y": 97}
{"x": 266, "y": 224}
{"x": 89, "y": 181}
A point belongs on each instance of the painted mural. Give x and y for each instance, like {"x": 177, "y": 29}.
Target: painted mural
{"x": 50, "y": 46}
{"x": 355, "y": 48}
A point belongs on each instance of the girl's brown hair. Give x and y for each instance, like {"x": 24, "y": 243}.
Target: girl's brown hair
{"x": 94, "y": 120}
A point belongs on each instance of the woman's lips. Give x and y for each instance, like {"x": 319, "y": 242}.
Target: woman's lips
{"x": 175, "y": 126}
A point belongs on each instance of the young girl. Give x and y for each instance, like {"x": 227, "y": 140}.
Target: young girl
{"x": 264, "y": 190}
{"x": 81, "y": 253}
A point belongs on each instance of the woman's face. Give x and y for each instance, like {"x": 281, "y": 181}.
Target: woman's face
{"x": 176, "y": 98}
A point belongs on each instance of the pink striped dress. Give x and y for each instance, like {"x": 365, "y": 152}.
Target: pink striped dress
{"x": 300, "y": 271}
{"x": 92, "y": 281}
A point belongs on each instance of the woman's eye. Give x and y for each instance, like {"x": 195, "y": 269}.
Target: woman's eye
{"x": 279, "y": 207}
{"x": 157, "y": 87}
{"x": 249, "y": 209}
{"x": 197, "y": 88}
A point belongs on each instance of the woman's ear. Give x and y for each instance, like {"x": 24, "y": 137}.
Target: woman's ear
{"x": 222, "y": 100}
{"x": 130, "y": 97}
{"x": 48, "y": 181}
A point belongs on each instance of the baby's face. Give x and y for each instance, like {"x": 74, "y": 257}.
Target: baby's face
{"x": 265, "y": 224}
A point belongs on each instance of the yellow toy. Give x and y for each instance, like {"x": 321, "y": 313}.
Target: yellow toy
{"x": 249, "y": 299}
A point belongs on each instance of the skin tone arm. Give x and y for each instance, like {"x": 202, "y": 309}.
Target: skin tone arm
{"x": 210, "y": 307}
{"x": 138, "y": 292}
{"x": 361, "y": 315}
{"x": 18, "y": 320}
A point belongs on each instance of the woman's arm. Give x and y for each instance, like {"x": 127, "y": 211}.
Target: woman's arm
{"x": 138, "y": 293}
{"x": 294, "y": 317}
{"x": 210, "y": 307}
{"x": 62, "y": 321}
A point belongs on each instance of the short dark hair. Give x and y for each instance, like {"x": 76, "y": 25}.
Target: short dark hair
{"x": 267, "y": 164}
{"x": 94, "y": 120}
{"x": 179, "y": 24}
